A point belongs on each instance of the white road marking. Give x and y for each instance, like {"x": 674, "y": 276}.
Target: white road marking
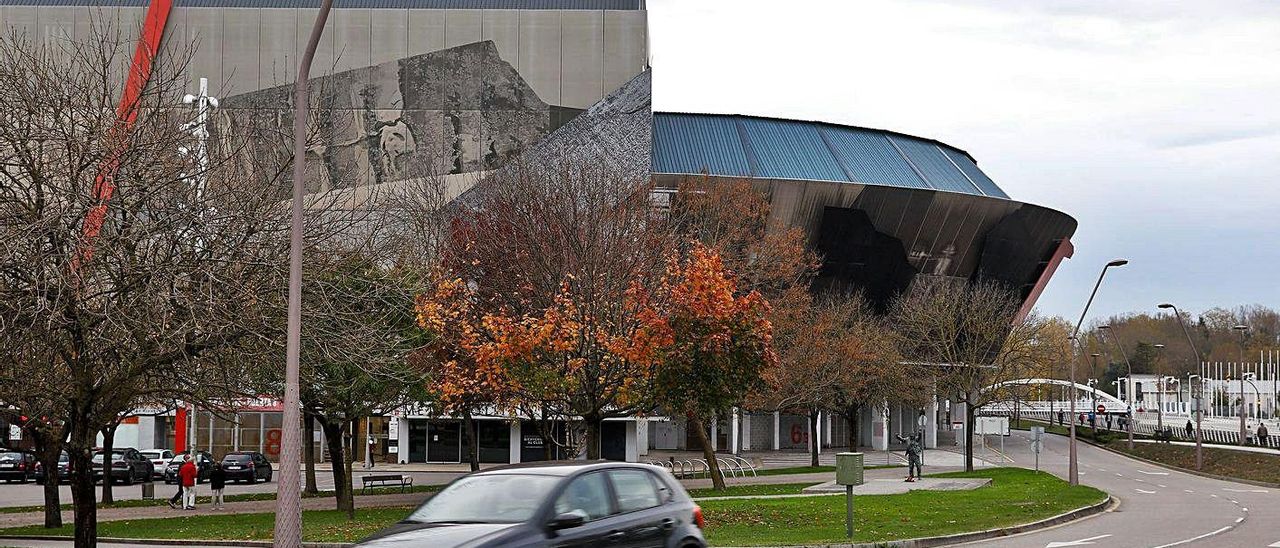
{"x": 1235, "y": 502}
{"x": 1145, "y": 491}
{"x": 1193, "y": 539}
{"x": 1188, "y": 490}
{"x": 1274, "y": 545}
{"x": 1244, "y": 509}
{"x": 1119, "y": 475}
{"x": 1213, "y": 495}
{"x": 1245, "y": 490}
{"x": 1080, "y": 542}
{"x": 1238, "y": 520}
{"x": 1154, "y": 473}
{"x": 1161, "y": 485}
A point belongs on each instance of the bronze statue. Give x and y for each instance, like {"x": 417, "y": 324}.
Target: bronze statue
{"x": 915, "y": 446}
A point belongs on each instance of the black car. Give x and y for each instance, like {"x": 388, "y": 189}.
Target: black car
{"x": 127, "y": 466}
{"x": 64, "y": 469}
{"x": 247, "y": 466}
{"x": 559, "y": 504}
{"x": 17, "y": 466}
{"x": 204, "y": 466}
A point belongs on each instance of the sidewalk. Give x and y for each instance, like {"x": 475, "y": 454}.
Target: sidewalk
{"x": 1246, "y": 448}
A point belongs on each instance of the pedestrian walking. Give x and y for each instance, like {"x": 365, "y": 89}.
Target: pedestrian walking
{"x": 176, "y": 499}
{"x": 1262, "y": 435}
{"x": 1109, "y": 422}
{"x": 187, "y": 476}
{"x": 1060, "y": 415}
{"x": 217, "y": 481}
{"x": 1191, "y": 433}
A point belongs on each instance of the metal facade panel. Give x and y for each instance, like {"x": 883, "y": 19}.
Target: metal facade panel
{"x": 426, "y": 31}
{"x": 625, "y": 48}
{"x": 940, "y": 172}
{"x": 204, "y": 29}
{"x": 278, "y": 54}
{"x": 461, "y": 27}
{"x": 240, "y": 50}
{"x": 503, "y": 27}
{"x": 582, "y": 75}
{"x": 790, "y": 150}
{"x": 975, "y": 174}
{"x": 689, "y": 143}
{"x": 870, "y": 158}
{"x": 390, "y": 36}
{"x": 353, "y": 38}
{"x": 539, "y": 59}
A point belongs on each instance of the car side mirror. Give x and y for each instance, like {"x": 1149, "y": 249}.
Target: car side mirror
{"x": 567, "y": 520}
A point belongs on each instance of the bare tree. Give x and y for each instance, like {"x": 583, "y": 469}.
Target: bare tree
{"x": 969, "y": 333}
{"x": 128, "y": 276}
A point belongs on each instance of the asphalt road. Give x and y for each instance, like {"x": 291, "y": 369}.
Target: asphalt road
{"x": 30, "y": 494}
{"x": 1159, "y": 508}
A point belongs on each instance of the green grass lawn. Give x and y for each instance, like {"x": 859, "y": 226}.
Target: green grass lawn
{"x": 317, "y": 526}
{"x": 162, "y": 496}
{"x": 744, "y": 490}
{"x": 821, "y": 469}
{"x": 1015, "y": 496}
{"x": 1246, "y": 465}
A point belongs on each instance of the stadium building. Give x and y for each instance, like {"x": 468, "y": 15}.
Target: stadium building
{"x": 455, "y": 88}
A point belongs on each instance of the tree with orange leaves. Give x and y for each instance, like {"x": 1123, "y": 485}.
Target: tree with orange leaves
{"x": 721, "y": 343}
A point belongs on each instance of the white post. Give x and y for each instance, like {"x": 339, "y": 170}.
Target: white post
{"x": 514, "y": 446}
{"x": 715, "y": 427}
{"x": 734, "y": 431}
{"x": 777, "y": 424}
{"x": 746, "y": 431}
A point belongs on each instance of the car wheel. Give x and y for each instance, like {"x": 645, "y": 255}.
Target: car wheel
{"x": 128, "y": 477}
{"x": 253, "y": 479}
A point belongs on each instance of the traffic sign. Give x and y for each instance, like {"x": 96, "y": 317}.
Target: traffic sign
{"x": 1102, "y": 408}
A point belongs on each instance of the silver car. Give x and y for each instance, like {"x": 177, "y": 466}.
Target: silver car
{"x": 158, "y": 457}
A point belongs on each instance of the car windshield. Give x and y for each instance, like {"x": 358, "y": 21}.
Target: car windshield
{"x": 176, "y": 460}
{"x": 238, "y": 458}
{"x": 493, "y": 498}
{"x": 8, "y": 456}
{"x": 117, "y": 454}
{"x": 64, "y": 458}
{"x": 152, "y": 454}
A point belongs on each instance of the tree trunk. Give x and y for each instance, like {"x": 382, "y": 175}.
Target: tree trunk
{"x": 593, "y": 436}
{"x": 83, "y": 498}
{"x": 699, "y": 428}
{"x": 852, "y": 414}
{"x": 333, "y": 434}
{"x": 969, "y": 414}
{"x": 48, "y": 449}
{"x": 309, "y": 452}
{"x": 469, "y": 438}
{"x": 108, "y": 443}
{"x": 813, "y": 437}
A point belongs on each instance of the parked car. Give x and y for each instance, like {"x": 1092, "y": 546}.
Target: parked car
{"x": 249, "y": 466}
{"x": 17, "y": 466}
{"x": 64, "y": 469}
{"x": 204, "y": 466}
{"x": 558, "y": 504}
{"x": 159, "y": 460}
{"x": 127, "y": 466}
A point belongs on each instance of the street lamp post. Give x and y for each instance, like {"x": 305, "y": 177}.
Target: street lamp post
{"x": 1128, "y": 390}
{"x": 1073, "y": 475}
{"x": 1159, "y": 389}
{"x": 1244, "y": 430}
{"x": 1195, "y": 391}
{"x": 1093, "y": 392}
{"x": 288, "y": 526}
{"x": 1178, "y": 314}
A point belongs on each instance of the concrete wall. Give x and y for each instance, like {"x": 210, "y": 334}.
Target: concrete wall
{"x": 571, "y": 58}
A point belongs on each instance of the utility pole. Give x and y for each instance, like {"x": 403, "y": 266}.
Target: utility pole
{"x": 1073, "y": 470}
{"x": 288, "y": 528}
{"x": 1244, "y": 429}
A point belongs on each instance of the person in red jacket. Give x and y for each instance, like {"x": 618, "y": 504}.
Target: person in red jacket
{"x": 187, "y": 476}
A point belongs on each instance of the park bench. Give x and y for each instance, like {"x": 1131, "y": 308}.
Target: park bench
{"x": 1165, "y": 434}
{"x": 386, "y": 480}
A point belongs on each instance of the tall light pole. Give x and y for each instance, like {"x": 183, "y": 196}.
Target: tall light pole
{"x": 1073, "y": 474}
{"x": 1196, "y": 353}
{"x": 1244, "y": 429}
{"x": 1195, "y": 387}
{"x": 288, "y": 527}
{"x": 1159, "y": 389}
{"x": 1093, "y": 393}
{"x": 1128, "y": 389}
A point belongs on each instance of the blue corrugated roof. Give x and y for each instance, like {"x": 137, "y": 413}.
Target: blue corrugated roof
{"x": 738, "y": 146}
{"x": 789, "y": 150}
{"x": 870, "y": 157}
{"x": 380, "y": 4}
{"x": 695, "y": 144}
{"x": 935, "y": 166}
{"x": 976, "y": 175}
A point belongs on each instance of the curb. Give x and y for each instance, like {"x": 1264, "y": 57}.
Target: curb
{"x": 958, "y": 538}
{"x": 924, "y": 542}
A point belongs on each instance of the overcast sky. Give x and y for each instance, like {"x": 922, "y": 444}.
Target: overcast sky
{"x": 1155, "y": 124}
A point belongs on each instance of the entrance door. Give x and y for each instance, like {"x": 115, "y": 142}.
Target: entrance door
{"x": 417, "y": 441}
{"x": 613, "y": 440}
{"x": 444, "y": 441}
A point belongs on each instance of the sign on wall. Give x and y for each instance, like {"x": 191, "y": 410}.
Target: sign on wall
{"x": 15, "y": 433}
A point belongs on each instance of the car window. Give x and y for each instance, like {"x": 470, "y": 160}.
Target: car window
{"x": 487, "y": 498}
{"x": 588, "y": 494}
{"x": 634, "y": 490}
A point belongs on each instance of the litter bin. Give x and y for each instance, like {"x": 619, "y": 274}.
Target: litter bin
{"x": 148, "y": 490}
{"x": 849, "y": 468}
